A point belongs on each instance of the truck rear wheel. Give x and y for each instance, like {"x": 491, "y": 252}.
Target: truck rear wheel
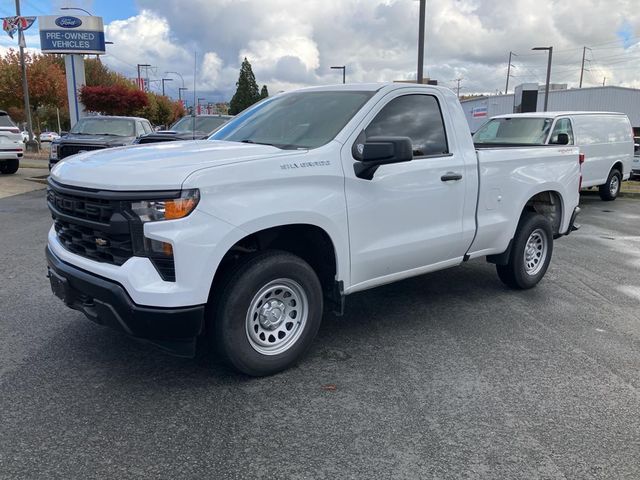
{"x": 610, "y": 190}
{"x": 9, "y": 166}
{"x": 530, "y": 253}
{"x": 268, "y": 313}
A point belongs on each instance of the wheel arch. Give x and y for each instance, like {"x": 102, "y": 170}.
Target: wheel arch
{"x": 550, "y": 204}
{"x": 547, "y": 202}
{"x": 617, "y": 165}
{"x": 308, "y": 241}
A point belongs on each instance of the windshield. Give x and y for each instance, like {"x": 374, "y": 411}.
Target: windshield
{"x": 295, "y": 120}
{"x": 203, "y": 124}
{"x": 5, "y": 121}
{"x": 120, "y": 127}
{"x": 526, "y": 131}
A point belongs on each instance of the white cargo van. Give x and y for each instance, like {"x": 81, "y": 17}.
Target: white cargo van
{"x": 605, "y": 139}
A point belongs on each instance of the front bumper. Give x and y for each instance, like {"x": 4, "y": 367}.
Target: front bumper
{"x": 107, "y": 303}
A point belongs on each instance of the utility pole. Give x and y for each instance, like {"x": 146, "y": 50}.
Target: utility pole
{"x": 31, "y": 145}
{"x": 458, "y": 88}
{"x": 584, "y": 51}
{"x": 506, "y": 88}
{"x": 423, "y": 8}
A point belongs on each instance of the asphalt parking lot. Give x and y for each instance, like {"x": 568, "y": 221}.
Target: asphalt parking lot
{"x": 449, "y": 375}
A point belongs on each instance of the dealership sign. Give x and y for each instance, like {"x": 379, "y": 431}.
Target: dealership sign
{"x": 71, "y": 34}
{"x": 480, "y": 112}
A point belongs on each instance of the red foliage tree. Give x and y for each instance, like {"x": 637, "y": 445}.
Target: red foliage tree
{"x": 113, "y": 99}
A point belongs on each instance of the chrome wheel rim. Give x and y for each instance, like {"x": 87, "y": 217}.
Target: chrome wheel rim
{"x": 535, "y": 252}
{"x": 277, "y": 316}
{"x": 614, "y": 186}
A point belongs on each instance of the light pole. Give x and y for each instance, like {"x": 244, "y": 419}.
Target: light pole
{"x": 146, "y": 65}
{"x": 165, "y": 80}
{"x": 344, "y": 72}
{"x": 546, "y": 88}
{"x": 423, "y": 8}
{"x": 77, "y": 8}
{"x": 180, "y": 90}
{"x": 32, "y": 145}
{"x": 176, "y": 73}
{"x": 506, "y": 87}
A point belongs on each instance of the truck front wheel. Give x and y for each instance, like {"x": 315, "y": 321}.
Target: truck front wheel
{"x": 268, "y": 313}
{"x": 610, "y": 190}
{"x": 530, "y": 254}
{"x": 9, "y": 166}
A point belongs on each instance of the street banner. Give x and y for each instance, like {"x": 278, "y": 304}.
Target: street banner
{"x": 11, "y": 25}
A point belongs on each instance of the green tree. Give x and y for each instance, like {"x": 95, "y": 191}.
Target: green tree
{"x": 247, "y": 92}
{"x": 264, "y": 93}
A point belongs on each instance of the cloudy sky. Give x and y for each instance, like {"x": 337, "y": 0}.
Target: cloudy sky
{"x": 292, "y": 43}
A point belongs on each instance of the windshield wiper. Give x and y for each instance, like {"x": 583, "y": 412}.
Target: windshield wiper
{"x": 248, "y": 140}
{"x": 281, "y": 146}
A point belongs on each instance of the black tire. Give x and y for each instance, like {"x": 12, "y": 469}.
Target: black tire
{"x": 238, "y": 296}
{"x": 9, "y": 166}
{"x": 610, "y": 190}
{"x": 515, "y": 273}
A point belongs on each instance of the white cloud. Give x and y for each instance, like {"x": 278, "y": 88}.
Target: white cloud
{"x": 292, "y": 43}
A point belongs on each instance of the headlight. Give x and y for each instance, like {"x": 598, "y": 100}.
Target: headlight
{"x": 169, "y": 209}
{"x": 53, "y": 154}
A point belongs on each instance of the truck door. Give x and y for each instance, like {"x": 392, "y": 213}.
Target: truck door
{"x": 409, "y": 215}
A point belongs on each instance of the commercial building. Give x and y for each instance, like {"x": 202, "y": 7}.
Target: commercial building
{"x": 530, "y": 98}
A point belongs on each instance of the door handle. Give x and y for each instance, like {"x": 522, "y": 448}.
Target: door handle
{"x": 450, "y": 176}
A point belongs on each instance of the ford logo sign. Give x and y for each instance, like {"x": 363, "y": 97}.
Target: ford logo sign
{"x": 68, "y": 22}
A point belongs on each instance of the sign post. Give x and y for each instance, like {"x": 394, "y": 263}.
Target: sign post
{"x": 74, "y": 37}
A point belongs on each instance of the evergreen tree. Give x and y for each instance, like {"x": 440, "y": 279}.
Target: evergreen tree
{"x": 264, "y": 93}
{"x": 247, "y": 92}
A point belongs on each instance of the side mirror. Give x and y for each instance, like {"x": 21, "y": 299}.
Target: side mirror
{"x": 563, "y": 139}
{"x": 636, "y": 147}
{"x": 378, "y": 151}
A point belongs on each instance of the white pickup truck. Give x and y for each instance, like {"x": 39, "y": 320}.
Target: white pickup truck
{"x": 302, "y": 199}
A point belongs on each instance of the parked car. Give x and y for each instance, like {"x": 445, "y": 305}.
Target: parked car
{"x": 605, "y": 139}
{"x": 187, "y": 128}
{"x": 302, "y": 199}
{"x": 48, "y": 136}
{"x": 11, "y": 145}
{"x": 97, "y": 133}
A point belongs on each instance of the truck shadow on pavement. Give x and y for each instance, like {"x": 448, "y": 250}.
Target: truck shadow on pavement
{"x": 410, "y": 307}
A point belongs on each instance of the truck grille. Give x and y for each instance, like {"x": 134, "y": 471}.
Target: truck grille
{"x": 68, "y": 150}
{"x": 91, "y": 227}
{"x": 99, "y": 226}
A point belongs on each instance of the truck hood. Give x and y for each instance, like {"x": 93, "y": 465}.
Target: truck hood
{"x": 155, "y": 166}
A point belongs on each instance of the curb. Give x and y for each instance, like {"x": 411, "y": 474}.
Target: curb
{"x": 39, "y": 179}
{"x": 630, "y": 194}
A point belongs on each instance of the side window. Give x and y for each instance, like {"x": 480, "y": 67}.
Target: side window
{"x": 415, "y": 116}
{"x": 563, "y": 125}
{"x": 147, "y": 127}
{"x": 139, "y": 128}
